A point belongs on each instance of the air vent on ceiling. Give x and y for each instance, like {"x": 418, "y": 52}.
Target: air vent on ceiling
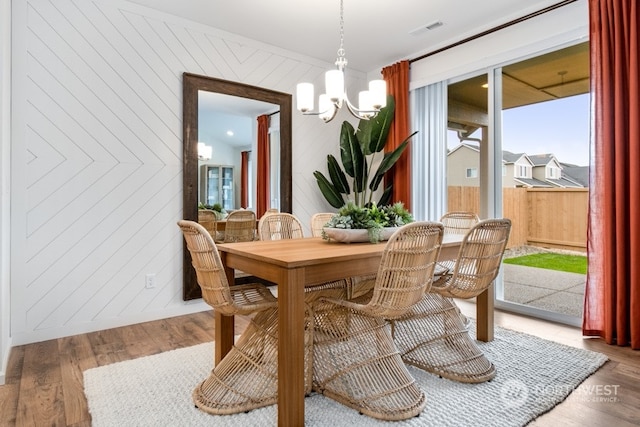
{"x": 424, "y": 28}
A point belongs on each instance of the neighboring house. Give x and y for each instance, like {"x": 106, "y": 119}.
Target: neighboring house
{"x": 579, "y": 174}
{"x": 547, "y": 168}
{"x": 463, "y": 166}
{"x": 518, "y": 170}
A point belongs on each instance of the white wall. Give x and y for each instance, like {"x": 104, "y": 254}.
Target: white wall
{"x": 5, "y": 133}
{"x": 97, "y": 153}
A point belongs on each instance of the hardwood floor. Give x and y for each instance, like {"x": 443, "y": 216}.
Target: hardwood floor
{"x": 44, "y": 380}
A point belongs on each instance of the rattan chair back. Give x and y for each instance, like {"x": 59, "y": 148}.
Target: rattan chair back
{"x": 478, "y": 261}
{"x": 459, "y": 222}
{"x": 406, "y": 270}
{"x": 240, "y": 226}
{"x": 212, "y": 279}
{"x": 279, "y": 226}
{"x": 318, "y": 221}
{"x": 207, "y": 218}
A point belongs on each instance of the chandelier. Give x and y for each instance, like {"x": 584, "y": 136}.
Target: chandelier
{"x": 370, "y": 101}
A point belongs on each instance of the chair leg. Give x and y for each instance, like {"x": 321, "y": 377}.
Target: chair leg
{"x": 357, "y": 364}
{"x": 247, "y": 377}
{"x": 433, "y": 337}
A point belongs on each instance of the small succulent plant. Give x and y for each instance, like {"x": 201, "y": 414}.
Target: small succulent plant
{"x": 373, "y": 218}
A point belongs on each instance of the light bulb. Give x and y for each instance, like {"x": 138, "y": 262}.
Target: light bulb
{"x": 304, "y": 97}
{"x": 325, "y": 107}
{"x": 334, "y": 85}
{"x": 378, "y": 90}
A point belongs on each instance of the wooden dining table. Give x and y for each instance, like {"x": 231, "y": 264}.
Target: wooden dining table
{"x": 292, "y": 264}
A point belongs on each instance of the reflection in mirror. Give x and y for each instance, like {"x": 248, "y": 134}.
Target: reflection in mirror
{"x": 227, "y": 135}
{"x": 207, "y": 101}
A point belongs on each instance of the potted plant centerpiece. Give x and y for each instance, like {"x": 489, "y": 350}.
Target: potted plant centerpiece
{"x": 216, "y": 208}
{"x": 353, "y": 196}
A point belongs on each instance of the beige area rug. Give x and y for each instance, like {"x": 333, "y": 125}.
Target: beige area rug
{"x": 533, "y": 376}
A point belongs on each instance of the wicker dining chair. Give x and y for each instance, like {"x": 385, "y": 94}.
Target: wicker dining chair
{"x": 240, "y": 226}
{"x": 279, "y": 226}
{"x": 246, "y": 378}
{"x": 432, "y": 335}
{"x": 458, "y": 222}
{"x": 207, "y": 218}
{"x": 318, "y": 221}
{"x": 355, "y": 361}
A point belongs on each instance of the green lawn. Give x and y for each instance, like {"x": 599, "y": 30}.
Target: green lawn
{"x": 552, "y": 261}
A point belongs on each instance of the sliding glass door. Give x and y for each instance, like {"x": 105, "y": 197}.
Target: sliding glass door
{"x": 518, "y": 147}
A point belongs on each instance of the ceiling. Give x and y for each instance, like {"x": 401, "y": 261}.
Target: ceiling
{"x": 558, "y": 74}
{"x": 219, "y": 114}
{"x": 376, "y": 33}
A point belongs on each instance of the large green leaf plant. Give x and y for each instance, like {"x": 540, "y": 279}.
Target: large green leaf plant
{"x": 359, "y": 151}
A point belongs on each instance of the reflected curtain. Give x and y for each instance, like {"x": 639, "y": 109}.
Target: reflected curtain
{"x": 244, "y": 179}
{"x": 397, "y": 78}
{"x": 612, "y": 297}
{"x": 429, "y": 151}
{"x": 263, "y": 173}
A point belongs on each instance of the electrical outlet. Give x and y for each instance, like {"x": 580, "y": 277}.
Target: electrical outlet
{"x": 150, "y": 281}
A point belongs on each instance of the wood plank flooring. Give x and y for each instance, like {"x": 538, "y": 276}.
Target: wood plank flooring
{"x": 44, "y": 380}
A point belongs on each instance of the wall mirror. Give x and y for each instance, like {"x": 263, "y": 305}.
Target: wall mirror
{"x": 223, "y": 99}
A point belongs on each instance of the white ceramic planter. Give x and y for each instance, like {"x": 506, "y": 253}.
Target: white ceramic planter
{"x": 355, "y": 235}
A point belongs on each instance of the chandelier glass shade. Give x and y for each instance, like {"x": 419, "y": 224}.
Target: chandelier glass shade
{"x": 369, "y": 101}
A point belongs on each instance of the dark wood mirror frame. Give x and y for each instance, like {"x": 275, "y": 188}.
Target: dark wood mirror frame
{"x": 191, "y": 84}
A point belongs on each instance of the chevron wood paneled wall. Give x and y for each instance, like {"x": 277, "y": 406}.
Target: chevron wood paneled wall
{"x": 97, "y": 157}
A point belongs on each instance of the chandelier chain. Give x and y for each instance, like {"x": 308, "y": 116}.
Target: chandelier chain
{"x": 341, "y": 62}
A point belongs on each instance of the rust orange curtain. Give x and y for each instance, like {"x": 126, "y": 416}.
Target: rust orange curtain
{"x": 263, "y": 184}
{"x": 244, "y": 179}
{"x": 612, "y": 297}
{"x": 397, "y": 78}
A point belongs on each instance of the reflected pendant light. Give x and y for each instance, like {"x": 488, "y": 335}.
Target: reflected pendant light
{"x": 369, "y": 101}
{"x": 204, "y": 151}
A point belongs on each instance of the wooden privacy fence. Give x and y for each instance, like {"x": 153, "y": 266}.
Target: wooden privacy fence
{"x": 546, "y": 217}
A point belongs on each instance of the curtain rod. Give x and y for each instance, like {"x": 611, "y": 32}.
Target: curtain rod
{"x": 494, "y": 29}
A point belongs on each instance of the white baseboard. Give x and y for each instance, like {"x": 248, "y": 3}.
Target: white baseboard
{"x": 4, "y": 362}
{"x": 99, "y": 325}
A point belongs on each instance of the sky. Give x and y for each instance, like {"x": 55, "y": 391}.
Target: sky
{"x": 559, "y": 127}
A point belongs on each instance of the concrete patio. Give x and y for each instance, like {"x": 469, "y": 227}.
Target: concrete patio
{"x": 551, "y": 290}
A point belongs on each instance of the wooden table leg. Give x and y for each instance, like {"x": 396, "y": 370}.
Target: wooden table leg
{"x": 224, "y": 325}
{"x": 291, "y": 348}
{"x": 484, "y": 315}
{"x": 223, "y": 336}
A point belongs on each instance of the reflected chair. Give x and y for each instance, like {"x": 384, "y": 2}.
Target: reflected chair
{"x": 207, "y": 218}
{"x": 279, "y": 226}
{"x": 318, "y": 221}
{"x": 246, "y": 378}
{"x": 355, "y": 361}
{"x": 240, "y": 226}
{"x": 432, "y": 335}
